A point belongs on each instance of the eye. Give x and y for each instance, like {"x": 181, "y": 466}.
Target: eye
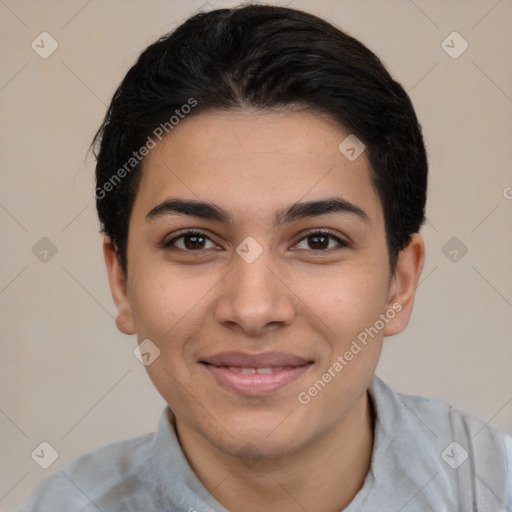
{"x": 196, "y": 241}
{"x": 319, "y": 240}
{"x": 188, "y": 241}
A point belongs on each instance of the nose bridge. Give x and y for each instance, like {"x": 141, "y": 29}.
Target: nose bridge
{"x": 253, "y": 295}
{"x": 253, "y": 276}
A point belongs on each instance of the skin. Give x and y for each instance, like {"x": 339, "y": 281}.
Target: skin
{"x": 267, "y": 452}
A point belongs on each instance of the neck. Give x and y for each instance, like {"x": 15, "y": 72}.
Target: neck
{"x": 324, "y": 476}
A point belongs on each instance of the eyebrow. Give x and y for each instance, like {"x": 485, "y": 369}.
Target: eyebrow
{"x": 294, "y": 212}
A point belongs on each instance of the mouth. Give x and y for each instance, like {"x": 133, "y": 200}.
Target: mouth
{"x": 255, "y": 374}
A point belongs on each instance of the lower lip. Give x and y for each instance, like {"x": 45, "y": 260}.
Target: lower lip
{"x": 253, "y": 384}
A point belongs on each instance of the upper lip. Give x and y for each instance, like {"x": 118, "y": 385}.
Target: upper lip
{"x": 263, "y": 360}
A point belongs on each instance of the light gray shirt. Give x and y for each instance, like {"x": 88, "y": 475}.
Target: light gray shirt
{"x": 417, "y": 465}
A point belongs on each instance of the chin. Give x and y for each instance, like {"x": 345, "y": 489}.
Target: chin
{"x": 254, "y": 447}
{"x": 261, "y": 435}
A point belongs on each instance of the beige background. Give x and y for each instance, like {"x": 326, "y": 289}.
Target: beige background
{"x": 70, "y": 378}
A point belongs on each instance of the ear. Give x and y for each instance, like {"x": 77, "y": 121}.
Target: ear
{"x": 404, "y": 283}
{"x": 124, "y": 320}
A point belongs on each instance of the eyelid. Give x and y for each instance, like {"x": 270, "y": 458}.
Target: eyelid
{"x": 168, "y": 244}
{"x": 342, "y": 242}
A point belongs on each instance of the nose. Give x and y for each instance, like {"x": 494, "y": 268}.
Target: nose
{"x": 255, "y": 296}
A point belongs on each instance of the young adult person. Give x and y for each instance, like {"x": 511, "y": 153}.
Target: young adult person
{"x": 261, "y": 184}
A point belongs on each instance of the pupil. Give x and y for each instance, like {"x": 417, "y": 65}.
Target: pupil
{"x": 194, "y": 243}
{"x": 316, "y": 244}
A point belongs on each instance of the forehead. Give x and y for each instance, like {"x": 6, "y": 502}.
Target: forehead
{"x": 252, "y": 163}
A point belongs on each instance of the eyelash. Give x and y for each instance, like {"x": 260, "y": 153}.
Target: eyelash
{"x": 169, "y": 244}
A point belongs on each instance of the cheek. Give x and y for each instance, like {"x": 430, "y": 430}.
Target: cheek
{"x": 169, "y": 308}
{"x": 346, "y": 300}
{"x": 167, "y": 304}
{"x": 349, "y": 307}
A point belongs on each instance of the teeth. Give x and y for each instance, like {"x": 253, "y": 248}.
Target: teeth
{"x": 254, "y": 370}
{"x": 269, "y": 370}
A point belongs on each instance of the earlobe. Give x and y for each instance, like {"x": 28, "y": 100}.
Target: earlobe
{"x": 404, "y": 283}
{"x": 117, "y": 281}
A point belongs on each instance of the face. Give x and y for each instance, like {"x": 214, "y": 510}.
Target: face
{"x": 257, "y": 262}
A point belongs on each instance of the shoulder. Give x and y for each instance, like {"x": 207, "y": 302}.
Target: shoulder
{"x": 443, "y": 416}
{"x": 482, "y": 457}
{"x": 432, "y": 412}
{"x": 468, "y": 455}
{"x": 87, "y": 479}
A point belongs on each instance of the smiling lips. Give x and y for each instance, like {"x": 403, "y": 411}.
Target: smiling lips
{"x": 255, "y": 374}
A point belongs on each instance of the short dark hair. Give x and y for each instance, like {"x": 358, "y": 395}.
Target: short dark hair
{"x": 262, "y": 57}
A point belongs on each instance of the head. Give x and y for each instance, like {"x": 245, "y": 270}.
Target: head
{"x": 298, "y": 162}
